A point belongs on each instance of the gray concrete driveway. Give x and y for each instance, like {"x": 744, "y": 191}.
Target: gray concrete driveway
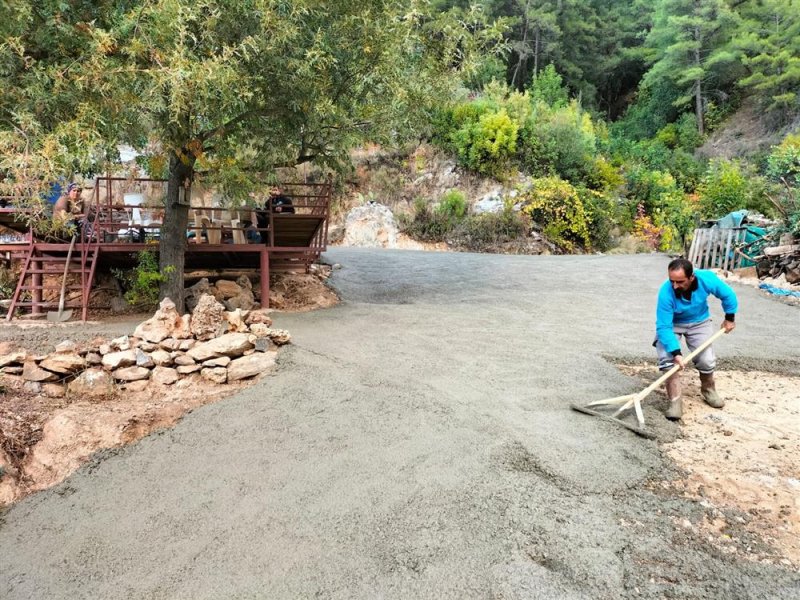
{"x": 415, "y": 442}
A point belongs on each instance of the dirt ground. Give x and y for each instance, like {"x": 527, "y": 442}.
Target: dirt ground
{"x": 744, "y": 457}
{"x": 45, "y": 438}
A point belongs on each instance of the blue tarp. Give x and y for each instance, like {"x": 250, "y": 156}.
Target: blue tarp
{"x": 778, "y": 291}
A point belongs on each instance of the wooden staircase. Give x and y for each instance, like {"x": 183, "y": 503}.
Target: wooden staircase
{"x": 39, "y": 285}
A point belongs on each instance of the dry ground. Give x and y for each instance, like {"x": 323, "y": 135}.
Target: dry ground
{"x": 745, "y": 457}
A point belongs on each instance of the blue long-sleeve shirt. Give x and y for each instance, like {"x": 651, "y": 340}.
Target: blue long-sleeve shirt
{"x": 673, "y": 310}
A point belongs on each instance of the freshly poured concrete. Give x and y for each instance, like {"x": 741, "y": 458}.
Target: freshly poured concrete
{"x": 415, "y": 442}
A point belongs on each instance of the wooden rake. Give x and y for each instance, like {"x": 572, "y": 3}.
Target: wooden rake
{"x": 635, "y": 400}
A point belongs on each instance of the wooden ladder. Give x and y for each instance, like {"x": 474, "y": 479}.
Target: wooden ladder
{"x": 45, "y": 259}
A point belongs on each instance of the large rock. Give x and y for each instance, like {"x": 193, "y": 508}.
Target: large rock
{"x": 92, "y": 383}
{"x": 490, "y": 203}
{"x": 220, "y": 361}
{"x": 245, "y": 300}
{"x": 228, "y": 289}
{"x": 260, "y": 316}
{"x": 236, "y": 320}
{"x": 162, "y": 358}
{"x": 249, "y": 366}
{"x": 207, "y": 318}
{"x": 64, "y": 364}
{"x": 116, "y": 360}
{"x": 230, "y": 344}
{"x": 164, "y": 376}
{"x": 14, "y": 358}
{"x": 193, "y": 294}
{"x": 67, "y": 346}
{"x": 166, "y": 322}
{"x": 144, "y": 360}
{"x": 32, "y": 372}
{"x": 54, "y": 390}
{"x": 371, "y": 226}
{"x": 215, "y": 374}
{"x": 188, "y": 369}
{"x": 131, "y": 374}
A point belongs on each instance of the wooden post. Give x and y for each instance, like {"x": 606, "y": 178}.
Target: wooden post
{"x": 36, "y": 284}
{"x": 264, "y": 278}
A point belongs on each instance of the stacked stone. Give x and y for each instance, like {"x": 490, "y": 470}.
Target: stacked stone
{"x": 221, "y": 346}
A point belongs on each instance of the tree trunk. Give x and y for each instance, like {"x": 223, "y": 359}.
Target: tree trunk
{"x": 536, "y": 54}
{"x": 698, "y": 85}
{"x": 172, "y": 246}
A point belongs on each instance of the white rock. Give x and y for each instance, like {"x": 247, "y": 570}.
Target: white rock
{"x": 131, "y": 374}
{"x": 116, "y": 360}
{"x": 230, "y": 344}
{"x": 215, "y": 374}
{"x": 63, "y": 363}
{"x": 92, "y": 383}
{"x": 371, "y": 226}
{"x": 249, "y": 366}
{"x": 164, "y": 376}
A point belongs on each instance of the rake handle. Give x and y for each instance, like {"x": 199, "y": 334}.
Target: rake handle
{"x": 677, "y": 368}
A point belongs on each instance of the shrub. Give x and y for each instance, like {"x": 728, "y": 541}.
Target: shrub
{"x": 487, "y": 145}
{"x": 645, "y": 230}
{"x": 559, "y": 142}
{"x": 453, "y": 204}
{"x": 142, "y": 282}
{"x": 427, "y": 225}
{"x": 479, "y": 233}
{"x": 8, "y": 282}
{"x": 724, "y": 189}
{"x": 784, "y": 160}
{"x": 556, "y": 205}
{"x": 602, "y": 214}
{"x": 547, "y": 87}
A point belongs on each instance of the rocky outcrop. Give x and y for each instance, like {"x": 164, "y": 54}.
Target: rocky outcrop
{"x": 371, "y": 226}
{"x": 207, "y": 318}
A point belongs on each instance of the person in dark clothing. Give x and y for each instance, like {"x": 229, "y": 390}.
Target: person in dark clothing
{"x": 278, "y": 202}
{"x": 281, "y": 203}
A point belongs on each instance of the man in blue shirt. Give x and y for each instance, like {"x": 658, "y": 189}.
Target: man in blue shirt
{"x": 682, "y": 310}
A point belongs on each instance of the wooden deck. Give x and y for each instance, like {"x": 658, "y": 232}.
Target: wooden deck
{"x": 218, "y": 239}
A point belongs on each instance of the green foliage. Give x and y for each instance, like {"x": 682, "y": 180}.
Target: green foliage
{"x": 142, "y": 282}
{"x": 784, "y": 160}
{"x": 548, "y": 88}
{"x": 729, "y": 186}
{"x": 560, "y": 142}
{"x": 453, "y": 204}
{"x": 488, "y": 145}
{"x": 769, "y": 42}
{"x": 8, "y": 282}
{"x": 489, "y": 231}
{"x": 602, "y": 214}
{"x": 556, "y": 205}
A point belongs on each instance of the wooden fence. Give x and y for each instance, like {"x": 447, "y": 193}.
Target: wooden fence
{"x": 718, "y": 248}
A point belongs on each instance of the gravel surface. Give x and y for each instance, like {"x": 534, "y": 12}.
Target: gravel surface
{"x": 415, "y": 442}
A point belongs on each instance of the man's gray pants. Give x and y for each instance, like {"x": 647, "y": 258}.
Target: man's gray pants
{"x": 695, "y": 334}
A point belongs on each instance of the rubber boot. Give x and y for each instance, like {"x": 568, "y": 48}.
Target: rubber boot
{"x": 708, "y": 390}
{"x": 673, "y": 388}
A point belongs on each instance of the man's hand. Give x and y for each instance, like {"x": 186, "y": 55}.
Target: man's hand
{"x": 728, "y": 326}
{"x": 678, "y": 360}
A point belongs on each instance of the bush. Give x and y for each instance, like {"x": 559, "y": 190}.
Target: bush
{"x": 142, "y": 282}
{"x": 726, "y": 188}
{"x": 488, "y": 145}
{"x": 453, "y": 204}
{"x": 559, "y": 142}
{"x": 602, "y": 214}
{"x": 427, "y": 225}
{"x": 556, "y": 205}
{"x": 548, "y": 88}
{"x": 784, "y": 160}
{"x": 479, "y": 233}
{"x": 8, "y": 282}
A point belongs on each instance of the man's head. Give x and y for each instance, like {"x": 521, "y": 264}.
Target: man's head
{"x": 275, "y": 191}
{"x": 681, "y": 274}
{"x": 73, "y": 190}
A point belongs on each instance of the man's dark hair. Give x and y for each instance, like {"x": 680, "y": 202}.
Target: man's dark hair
{"x": 683, "y": 265}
